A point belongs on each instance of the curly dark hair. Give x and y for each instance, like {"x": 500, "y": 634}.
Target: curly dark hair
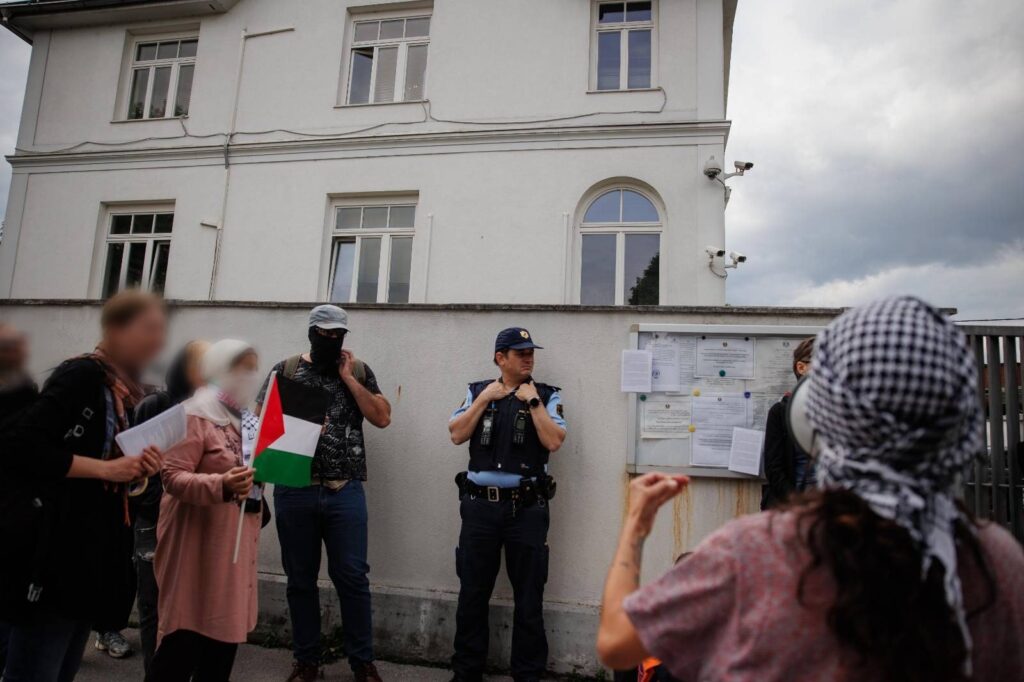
{"x": 889, "y": 621}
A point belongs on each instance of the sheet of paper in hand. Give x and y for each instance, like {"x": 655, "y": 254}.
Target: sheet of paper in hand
{"x": 164, "y": 431}
{"x": 290, "y": 424}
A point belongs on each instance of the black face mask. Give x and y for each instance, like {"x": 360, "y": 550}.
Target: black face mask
{"x": 325, "y": 352}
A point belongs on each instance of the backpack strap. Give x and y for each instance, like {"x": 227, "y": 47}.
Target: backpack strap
{"x": 359, "y": 370}
{"x": 291, "y": 365}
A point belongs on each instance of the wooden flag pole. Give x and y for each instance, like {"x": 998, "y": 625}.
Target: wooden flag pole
{"x": 238, "y": 535}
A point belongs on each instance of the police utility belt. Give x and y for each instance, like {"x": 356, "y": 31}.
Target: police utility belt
{"x": 528, "y": 492}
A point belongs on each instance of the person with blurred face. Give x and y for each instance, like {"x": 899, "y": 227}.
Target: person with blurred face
{"x": 65, "y": 531}
{"x": 207, "y": 601}
{"x": 184, "y": 377}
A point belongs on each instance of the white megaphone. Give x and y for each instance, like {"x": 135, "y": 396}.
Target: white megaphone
{"x": 801, "y": 432}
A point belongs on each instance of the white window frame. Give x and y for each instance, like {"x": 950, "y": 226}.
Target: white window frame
{"x": 623, "y": 28}
{"x": 133, "y": 64}
{"x": 620, "y": 230}
{"x": 401, "y": 66}
{"x": 386, "y": 235}
{"x": 150, "y": 240}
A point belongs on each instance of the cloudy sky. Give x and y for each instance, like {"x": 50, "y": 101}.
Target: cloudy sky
{"x": 888, "y": 139}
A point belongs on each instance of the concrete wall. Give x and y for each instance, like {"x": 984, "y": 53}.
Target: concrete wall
{"x": 507, "y": 182}
{"x": 423, "y": 356}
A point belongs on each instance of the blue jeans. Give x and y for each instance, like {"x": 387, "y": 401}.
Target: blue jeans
{"x": 306, "y": 519}
{"x": 47, "y": 649}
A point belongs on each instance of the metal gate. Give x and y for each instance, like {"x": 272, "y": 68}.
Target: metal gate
{"x": 994, "y": 488}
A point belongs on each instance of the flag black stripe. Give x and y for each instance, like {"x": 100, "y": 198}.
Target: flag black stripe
{"x": 301, "y": 401}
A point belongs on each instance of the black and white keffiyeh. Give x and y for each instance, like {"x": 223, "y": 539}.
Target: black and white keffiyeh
{"x": 893, "y": 397}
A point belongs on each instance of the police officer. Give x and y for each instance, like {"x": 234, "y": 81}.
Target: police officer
{"x": 512, "y": 425}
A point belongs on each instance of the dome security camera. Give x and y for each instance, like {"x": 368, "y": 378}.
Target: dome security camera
{"x": 712, "y": 168}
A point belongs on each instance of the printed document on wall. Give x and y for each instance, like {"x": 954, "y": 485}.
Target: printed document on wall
{"x": 665, "y": 418}
{"x": 720, "y": 411}
{"x": 720, "y": 356}
{"x": 709, "y": 447}
{"x": 745, "y": 452}
{"x": 664, "y": 351}
{"x": 636, "y": 371}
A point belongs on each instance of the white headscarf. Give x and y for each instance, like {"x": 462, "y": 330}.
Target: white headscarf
{"x": 208, "y": 402}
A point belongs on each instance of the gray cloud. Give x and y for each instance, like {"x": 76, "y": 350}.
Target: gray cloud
{"x": 889, "y": 146}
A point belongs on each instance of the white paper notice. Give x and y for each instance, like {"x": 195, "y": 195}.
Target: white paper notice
{"x": 165, "y": 430}
{"x": 710, "y": 447}
{"x": 636, "y": 371}
{"x": 720, "y": 411}
{"x": 774, "y": 361}
{"x": 665, "y": 363}
{"x": 687, "y": 358}
{"x": 667, "y": 418}
{"x": 745, "y": 453}
{"x": 720, "y": 356}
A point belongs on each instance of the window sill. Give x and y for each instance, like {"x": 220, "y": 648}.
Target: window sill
{"x": 612, "y": 92}
{"x": 379, "y": 104}
{"x": 150, "y": 120}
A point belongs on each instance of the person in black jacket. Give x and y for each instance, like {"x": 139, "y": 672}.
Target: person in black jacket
{"x": 787, "y": 469}
{"x": 64, "y": 530}
{"x": 184, "y": 376}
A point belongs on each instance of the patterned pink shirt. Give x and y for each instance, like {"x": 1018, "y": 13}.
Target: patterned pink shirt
{"x": 729, "y": 611}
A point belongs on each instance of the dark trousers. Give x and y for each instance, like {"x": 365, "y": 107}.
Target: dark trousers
{"x": 185, "y": 655}
{"x": 487, "y": 527}
{"x": 308, "y": 519}
{"x": 145, "y": 545}
{"x": 48, "y": 648}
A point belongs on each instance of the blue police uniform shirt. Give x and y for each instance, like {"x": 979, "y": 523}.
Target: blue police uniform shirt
{"x": 504, "y": 479}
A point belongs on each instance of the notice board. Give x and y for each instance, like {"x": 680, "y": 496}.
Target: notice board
{"x": 711, "y": 386}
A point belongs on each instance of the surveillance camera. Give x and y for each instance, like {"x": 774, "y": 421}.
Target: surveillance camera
{"x": 715, "y": 251}
{"x": 737, "y": 257}
{"x": 712, "y": 168}
{"x": 743, "y": 165}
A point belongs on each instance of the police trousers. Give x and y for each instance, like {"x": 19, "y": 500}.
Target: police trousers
{"x": 487, "y": 528}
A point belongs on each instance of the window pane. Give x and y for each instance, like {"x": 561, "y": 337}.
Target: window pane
{"x": 348, "y": 218}
{"x": 610, "y": 13}
{"x": 369, "y": 270}
{"x": 415, "y": 28}
{"x": 136, "y": 261}
{"x": 403, "y": 216}
{"x": 164, "y": 223}
{"x": 184, "y": 96}
{"x": 392, "y": 29}
{"x": 366, "y": 30}
{"x": 167, "y": 50}
{"x": 161, "y": 253}
{"x": 362, "y": 67}
{"x": 145, "y": 51}
{"x": 597, "y": 276}
{"x": 639, "y": 59}
{"x": 161, "y": 81}
{"x": 137, "y": 101}
{"x": 605, "y": 208}
{"x": 608, "y": 60}
{"x": 401, "y": 265}
{"x": 188, "y": 48}
{"x": 375, "y": 216}
{"x": 641, "y": 269}
{"x": 112, "y": 272}
{"x": 415, "y": 72}
{"x": 344, "y": 258}
{"x": 121, "y": 224}
{"x": 387, "y": 63}
{"x": 143, "y": 224}
{"x": 636, "y": 208}
{"x": 638, "y": 11}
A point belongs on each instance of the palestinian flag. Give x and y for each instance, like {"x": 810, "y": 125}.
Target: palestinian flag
{"x": 290, "y": 423}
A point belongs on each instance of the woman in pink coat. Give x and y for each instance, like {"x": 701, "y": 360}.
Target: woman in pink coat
{"x": 207, "y": 602}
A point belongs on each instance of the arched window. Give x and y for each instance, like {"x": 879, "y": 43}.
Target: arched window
{"x": 620, "y": 245}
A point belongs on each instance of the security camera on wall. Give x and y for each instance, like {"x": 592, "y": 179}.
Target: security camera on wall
{"x": 715, "y": 251}
{"x": 712, "y": 168}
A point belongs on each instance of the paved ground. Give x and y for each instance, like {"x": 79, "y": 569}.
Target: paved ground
{"x": 253, "y": 664}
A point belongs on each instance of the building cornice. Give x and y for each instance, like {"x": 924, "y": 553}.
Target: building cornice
{"x": 341, "y": 145}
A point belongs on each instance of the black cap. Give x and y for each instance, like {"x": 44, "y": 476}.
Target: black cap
{"x": 514, "y": 338}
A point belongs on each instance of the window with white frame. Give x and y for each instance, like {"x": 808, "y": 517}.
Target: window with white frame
{"x": 623, "y": 45}
{"x": 160, "y": 77}
{"x": 137, "y": 251}
{"x": 388, "y": 60}
{"x": 620, "y": 246}
{"x": 371, "y": 252}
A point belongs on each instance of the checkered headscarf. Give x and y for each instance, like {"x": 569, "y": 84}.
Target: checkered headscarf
{"x": 893, "y": 397}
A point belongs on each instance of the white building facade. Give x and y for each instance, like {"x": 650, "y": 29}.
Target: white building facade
{"x": 456, "y": 151}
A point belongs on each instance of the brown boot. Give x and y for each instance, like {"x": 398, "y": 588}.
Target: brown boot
{"x": 368, "y": 673}
{"x": 305, "y": 672}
